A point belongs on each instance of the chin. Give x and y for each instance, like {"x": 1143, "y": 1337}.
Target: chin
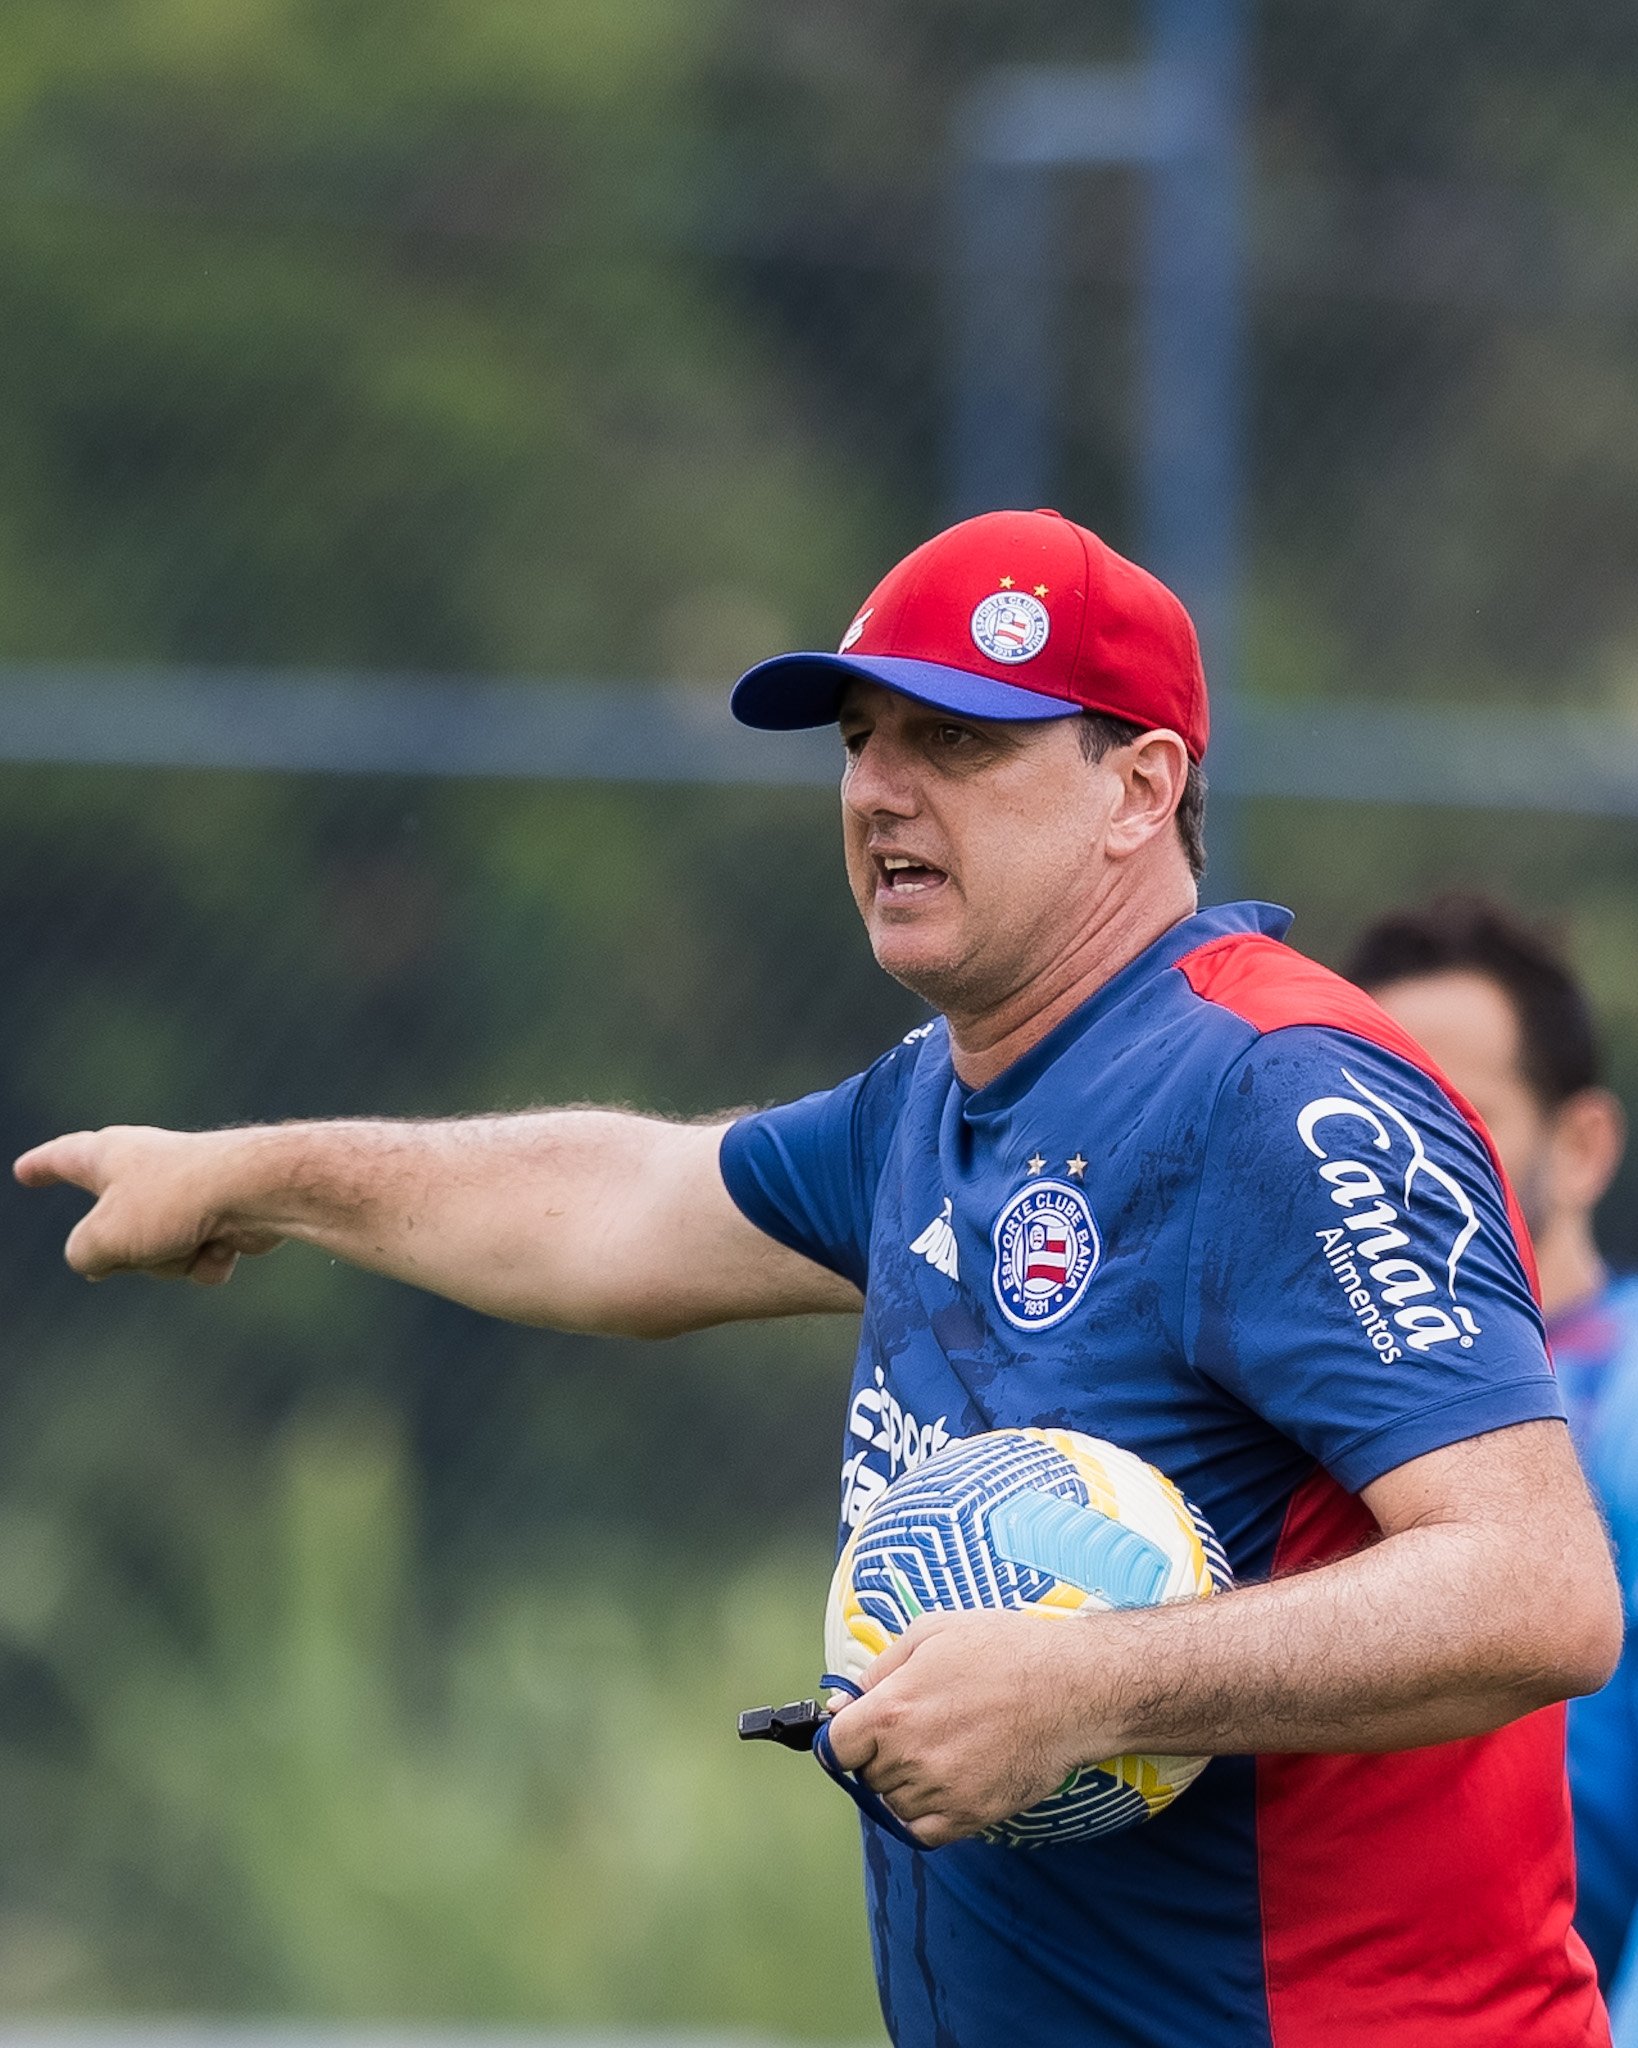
{"x": 927, "y": 969}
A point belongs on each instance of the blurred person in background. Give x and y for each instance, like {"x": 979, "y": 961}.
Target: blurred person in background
{"x": 1504, "y": 1017}
{"x": 1276, "y": 1258}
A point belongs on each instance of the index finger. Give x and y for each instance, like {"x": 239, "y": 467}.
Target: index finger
{"x": 69, "y": 1160}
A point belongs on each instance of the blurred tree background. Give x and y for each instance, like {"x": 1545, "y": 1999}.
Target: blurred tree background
{"x": 359, "y": 1658}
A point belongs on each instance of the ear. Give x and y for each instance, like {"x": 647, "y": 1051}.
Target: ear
{"x": 1152, "y": 772}
{"x": 1589, "y": 1137}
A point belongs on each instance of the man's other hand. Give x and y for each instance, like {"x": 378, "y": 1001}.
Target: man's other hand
{"x": 967, "y": 1719}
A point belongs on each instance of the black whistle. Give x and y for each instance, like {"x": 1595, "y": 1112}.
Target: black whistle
{"x": 795, "y": 1725}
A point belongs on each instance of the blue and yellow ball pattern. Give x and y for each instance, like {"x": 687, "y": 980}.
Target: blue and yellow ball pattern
{"x": 1046, "y": 1520}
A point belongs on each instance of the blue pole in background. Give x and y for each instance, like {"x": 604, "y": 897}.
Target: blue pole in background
{"x": 1177, "y": 117}
{"x": 1191, "y": 434}
{"x": 1006, "y": 294}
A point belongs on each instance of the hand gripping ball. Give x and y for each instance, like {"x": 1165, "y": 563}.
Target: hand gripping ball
{"x": 1049, "y": 1521}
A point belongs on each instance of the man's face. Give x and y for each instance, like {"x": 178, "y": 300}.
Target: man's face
{"x": 974, "y": 849}
{"x": 1469, "y": 1027}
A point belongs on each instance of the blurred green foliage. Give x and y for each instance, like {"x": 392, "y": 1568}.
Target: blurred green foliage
{"x": 290, "y": 1790}
{"x": 357, "y": 1657}
{"x": 612, "y": 338}
{"x": 360, "y": 335}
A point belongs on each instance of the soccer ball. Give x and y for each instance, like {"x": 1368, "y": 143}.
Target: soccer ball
{"x": 1049, "y": 1521}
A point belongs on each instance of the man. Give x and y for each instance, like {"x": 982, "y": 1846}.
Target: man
{"x": 1294, "y": 1287}
{"x": 1506, "y": 1021}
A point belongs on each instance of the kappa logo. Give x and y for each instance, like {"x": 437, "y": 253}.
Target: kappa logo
{"x": 854, "y": 632}
{"x": 1011, "y": 626}
{"x": 1046, "y": 1250}
{"x": 1396, "y": 1298}
{"x": 937, "y": 1244}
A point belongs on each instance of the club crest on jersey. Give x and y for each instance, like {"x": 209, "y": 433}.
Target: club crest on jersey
{"x": 1011, "y": 626}
{"x": 1046, "y": 1250}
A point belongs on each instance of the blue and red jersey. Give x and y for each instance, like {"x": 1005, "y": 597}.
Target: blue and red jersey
{"x": 1227, "y": 1216}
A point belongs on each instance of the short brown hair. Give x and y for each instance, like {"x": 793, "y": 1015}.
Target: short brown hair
{"x": 1559, "y": 1053}
{"x": 1099, "y": 734}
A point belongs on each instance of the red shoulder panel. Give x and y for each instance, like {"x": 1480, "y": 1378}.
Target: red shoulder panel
{"x": 1273, "y": 988}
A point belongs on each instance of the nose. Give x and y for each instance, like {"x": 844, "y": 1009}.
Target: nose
{"x": 879, "y": 780}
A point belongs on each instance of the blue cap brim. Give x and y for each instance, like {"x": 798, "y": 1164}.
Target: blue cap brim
{"x": 796, "y": 690}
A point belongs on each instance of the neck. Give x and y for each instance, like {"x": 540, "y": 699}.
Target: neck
{"x": 1568, "y": 1262}
{"x": 985, "y": 1043}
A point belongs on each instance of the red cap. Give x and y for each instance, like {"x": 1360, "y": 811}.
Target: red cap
{"x": 1012, "y": 615}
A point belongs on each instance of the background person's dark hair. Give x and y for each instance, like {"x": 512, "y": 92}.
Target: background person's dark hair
{"x": 1099, "y": 734}
{"x": 1558, "y": 1045}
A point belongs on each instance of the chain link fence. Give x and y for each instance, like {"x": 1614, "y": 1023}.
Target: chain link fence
{"x": 361, "y": 1659}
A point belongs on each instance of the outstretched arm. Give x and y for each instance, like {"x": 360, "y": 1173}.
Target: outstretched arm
{"x": 1489, "y": 1594}
{"x": 582, "y": 1219}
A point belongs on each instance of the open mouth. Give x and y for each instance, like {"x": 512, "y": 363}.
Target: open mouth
{"x": 902, "y": 879}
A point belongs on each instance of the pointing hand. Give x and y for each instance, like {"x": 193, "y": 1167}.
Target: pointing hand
{"x": 160, "y": 1202}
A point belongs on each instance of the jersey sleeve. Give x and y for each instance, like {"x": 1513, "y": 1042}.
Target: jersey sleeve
{"x": 807, "y": 1171}
{"x": 1352, "y": 1273}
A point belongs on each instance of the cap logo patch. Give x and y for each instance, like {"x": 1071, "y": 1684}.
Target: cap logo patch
{"x": 1010, "y": 626}
{"x": 851, "y": 637}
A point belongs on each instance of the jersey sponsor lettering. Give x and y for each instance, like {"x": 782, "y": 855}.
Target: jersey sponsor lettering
{"x": 1337, "y": 1246}
{"x": 892, "y": 1441}
{"x": 1395, "y": 1296}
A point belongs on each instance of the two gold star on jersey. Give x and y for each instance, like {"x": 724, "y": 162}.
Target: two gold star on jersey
{"x": 1076, "y": 1167}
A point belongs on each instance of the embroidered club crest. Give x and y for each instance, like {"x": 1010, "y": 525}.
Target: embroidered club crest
{"x": 1046, "y": 1250}
{"x": 1011, "y": 626}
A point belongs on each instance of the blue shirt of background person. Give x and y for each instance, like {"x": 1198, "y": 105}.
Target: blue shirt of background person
{"x": 1503, "y": 1016}
{"x": 1604, "y": 1737}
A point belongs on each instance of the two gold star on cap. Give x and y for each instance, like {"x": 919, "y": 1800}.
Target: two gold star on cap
{"x": 1040, "y": 588}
